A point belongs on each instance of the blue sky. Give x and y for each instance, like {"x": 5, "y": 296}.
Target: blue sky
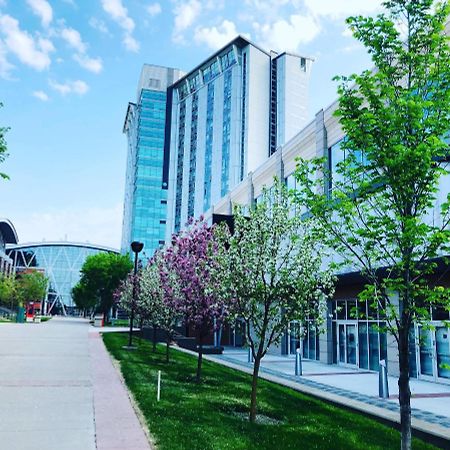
{"x": 69, "y": 67}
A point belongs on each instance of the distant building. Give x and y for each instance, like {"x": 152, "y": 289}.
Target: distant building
{"x": 61, "y": 263}
{"x": 8, "y": 235}
{"x": 146, "y": 185}
{"x": 229, "y": 115}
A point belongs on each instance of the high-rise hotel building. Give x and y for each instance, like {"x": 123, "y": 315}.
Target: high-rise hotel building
{"x": 145, "y": 208}
{"x": 229, "y": 114}
{"x": 192, "y": 138}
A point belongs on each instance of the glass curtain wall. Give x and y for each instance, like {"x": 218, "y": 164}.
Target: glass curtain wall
{"x": 358, "y": 333}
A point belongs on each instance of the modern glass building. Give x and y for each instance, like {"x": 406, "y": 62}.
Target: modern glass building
{"x": 8, "y": 235}
{"x": 148, "y": 132}
{"x": 229, "y": 115}
{"x": 61, "y": 263}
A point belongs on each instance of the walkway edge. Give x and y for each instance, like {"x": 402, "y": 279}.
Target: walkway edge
{"x": 431, "y": 432}
{"x": 135, "y": 405}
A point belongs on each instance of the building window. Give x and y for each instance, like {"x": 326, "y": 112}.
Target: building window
{"x": 208, "y": 146}
{"x": 193, "y": 155}
{"x": 243, "y": 118}
{"x": 273, "y": 108}
{"x": 180, "y": 162}
{"x": 211, "y": 72}
{"x": 226, "y": 133}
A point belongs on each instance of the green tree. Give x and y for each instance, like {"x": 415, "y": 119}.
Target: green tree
{"x": 8, "y": 291}
{"x": 3, "y": 147}
{"x": 275, "y": 276}
{"x": 32, "y": 287}
{"x": 101, "y": 275}
{"x": 379, "y": 214}
{"x": 83, "y": 298}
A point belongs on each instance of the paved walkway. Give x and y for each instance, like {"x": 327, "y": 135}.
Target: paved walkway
{"x": 353, "y": 388}
{"x": 60, "y": 391}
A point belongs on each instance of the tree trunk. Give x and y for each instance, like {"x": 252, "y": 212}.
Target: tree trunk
{"x": 200, "y": 358}
{"x": 154, "y": 338}
{"x": 256, "y": 366}
{"x": 404, "y": 397}
{"x": 167, "y": 347}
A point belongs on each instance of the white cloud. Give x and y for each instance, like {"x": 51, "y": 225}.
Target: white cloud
{"x": 216, "y": 37}
{"x": 185, "y": 13}
{"x": 77, "y": 87}
{"x": 341, "y": 9}
{"x": 73, "y": 38}
{"x": 5, "y": 66}
{"x": 154, "y": 9}
{"x": 30, "y": 51}
{"x": 287, "y": 34}
{"x": 98, "y": 25}
{"x": 97, "y": 225}
{"x": 116, "y": 10}
{"x": 130, "y": 43}
{"x": 41, "y": 95}
{"x": 119, "y": 14}
{"x": 92, "y": 64}
{"x": 43, "y": 10}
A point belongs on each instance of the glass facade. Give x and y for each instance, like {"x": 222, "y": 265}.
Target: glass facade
{"x": 61, "y": 263}
{"x": 359, "y": 338}
{"x": 208, "y": 147}
{"x": 226, "y": 133}
{"x": 180, "y": 162}
{"x": 146, "y": 220}
{"x": 193, "y": 155}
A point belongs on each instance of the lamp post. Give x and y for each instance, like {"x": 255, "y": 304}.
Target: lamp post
{"x": 136, "y": 247}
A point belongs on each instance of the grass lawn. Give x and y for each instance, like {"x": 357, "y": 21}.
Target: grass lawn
{"x": 213, "y": 415}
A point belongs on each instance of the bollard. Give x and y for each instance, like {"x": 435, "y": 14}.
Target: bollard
{"x": 383, "y": 386}
{"x": 250, "y": 355}
{"x": 298, "y": 363}
{"x": 158, "y": 391}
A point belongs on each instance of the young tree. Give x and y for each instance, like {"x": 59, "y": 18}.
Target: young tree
{"x": 8, "y": 291}
{"x": 188, "y": 276}
{"x": 3, "y": 147}
{"x": 83, "y": 298}
{"x": 379, "y": 216}
{"x": 275, "y": 276}
{"x": 32, "y": 286}
{"x": 101, "y": 275}
{"x": 158, "y": 299}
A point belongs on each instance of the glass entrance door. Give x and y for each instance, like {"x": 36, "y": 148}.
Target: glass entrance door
{"x": 347, "y": 345}
{"x": 434, "y": 353}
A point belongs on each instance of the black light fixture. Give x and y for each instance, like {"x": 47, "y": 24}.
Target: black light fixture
{"x": 137, "y": 247}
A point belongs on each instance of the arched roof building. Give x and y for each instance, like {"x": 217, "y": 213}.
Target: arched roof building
{"x": 8, "y": 235}
{"x": 61, "y": 261}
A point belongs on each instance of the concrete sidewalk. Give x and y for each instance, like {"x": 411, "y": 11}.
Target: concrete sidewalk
{"x": 353, "y": 388}
{"x": 60, "y": 391}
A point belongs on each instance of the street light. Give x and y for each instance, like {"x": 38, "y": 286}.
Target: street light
{"x": 136, "y": 247}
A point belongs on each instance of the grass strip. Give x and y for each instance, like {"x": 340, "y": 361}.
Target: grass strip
{"x": 214, "y": 414}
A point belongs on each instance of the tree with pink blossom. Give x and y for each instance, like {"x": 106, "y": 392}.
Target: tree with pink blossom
{"x": 190, "y": 276}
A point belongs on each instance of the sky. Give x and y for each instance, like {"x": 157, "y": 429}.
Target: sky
{"x": 68, "y": 69}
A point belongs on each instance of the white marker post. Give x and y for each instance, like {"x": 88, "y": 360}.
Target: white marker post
{"x": 158, "y": 393}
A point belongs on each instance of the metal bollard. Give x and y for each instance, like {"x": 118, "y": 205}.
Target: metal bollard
{"x": 383, "y": 385}
{"x": 298, "y": 363}
{"x": 250, "y": 355}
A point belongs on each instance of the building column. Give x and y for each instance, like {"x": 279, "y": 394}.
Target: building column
{"x": 326, "y": 337}
{"x": 250, "y": 191}
{"x": 321, "y": 141}
{"x": 280, "y": 164}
